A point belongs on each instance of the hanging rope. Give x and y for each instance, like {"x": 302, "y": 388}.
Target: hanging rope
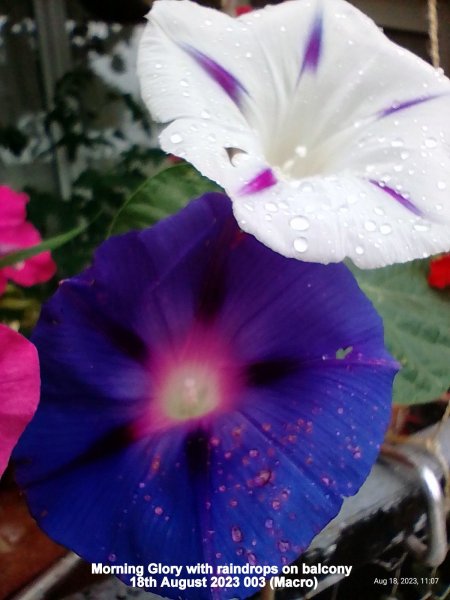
{"x": 433, "y": 32}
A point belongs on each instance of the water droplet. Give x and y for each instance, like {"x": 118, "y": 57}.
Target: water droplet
{"x": 205, "y": 114}
{"x": 378, "y": 211}
{"x": 385, "y": 229}
{"x": 299, "y": 223}
{"x": 276, "y": 505}
{"x": 283, "y": 546}
{"x": 158, "y": 510}
{"x": 112, "y": 557}
{"x": 269, "y": 524}
{"x": 370, "y": 225}
{"x": 431, "y": 142}
{"x": 253, "y": 453}
{"x": 233, "y": 503}
{"x": 301, "y": 151}
{"x": 421, "y": 227}
{"x": 236, "y": 534}
{"x": 271, "y": 207}
{"x": 251, "y": 558}
{"x": 176, "y": 138}
{"x": 158, "y": 66}
{"x": 305, "y": 187}
{"x": 184, "y": 83}
{"x": 263, "y": 477}
{"x": 301, "y": 244}
{"x": 404, "y": 155}
{"x": 397, "y": 143}
{"x": 359, "y": 250}
{"x": 441, "y": 185}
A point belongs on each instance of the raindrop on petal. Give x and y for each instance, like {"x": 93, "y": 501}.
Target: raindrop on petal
{"x": 370, "y": 226}
{"x": 385, "y": 229}
{"x": 236, "y": 534}
{"x": 299, "y": 223}
{"x": 301, "y": 244}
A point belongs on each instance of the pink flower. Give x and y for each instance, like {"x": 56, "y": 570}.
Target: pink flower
{"x": 19, "y": 389}
{"x": 15, "y": 234}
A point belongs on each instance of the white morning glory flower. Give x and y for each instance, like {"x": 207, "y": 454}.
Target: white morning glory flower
{"x": 331, "y": 141}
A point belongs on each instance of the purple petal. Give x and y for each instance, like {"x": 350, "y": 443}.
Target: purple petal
{"x": 260, "y": 182}
{"x": 313, "y": 49}
{"x": 405, "y": 202}
{"x": 399, "y": 106}
{"x": 227, "y": 81}
{"x": 112, "y": 473}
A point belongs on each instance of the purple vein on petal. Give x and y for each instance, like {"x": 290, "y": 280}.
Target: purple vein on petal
{"x": 227, "y": 81}
{"x": 397, "y": 196}
{"x": 399, "y": 106}
{"x": 263, "y": 180}
{"x": 313, "y": 48}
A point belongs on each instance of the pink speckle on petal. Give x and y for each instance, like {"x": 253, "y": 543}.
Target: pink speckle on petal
{"x": 236, "y": 534}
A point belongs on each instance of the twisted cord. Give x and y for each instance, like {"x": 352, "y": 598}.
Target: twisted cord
{"x": 433, "y": 32}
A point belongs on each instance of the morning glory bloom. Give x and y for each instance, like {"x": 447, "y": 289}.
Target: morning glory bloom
{"x": 331, "y": 141}
{"x": 19, "y": 389}
{"x": 204, "y": 400}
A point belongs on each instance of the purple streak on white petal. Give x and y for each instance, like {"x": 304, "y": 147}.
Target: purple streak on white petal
{"x": 227, "y": 81}
{"x": 313, "y": 47}
{"x": 405, "y": 202}
{"x": 398, "y": 106}
{"x": 263, "y": 180}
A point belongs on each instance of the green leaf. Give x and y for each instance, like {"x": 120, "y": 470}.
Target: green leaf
{"x": 160, "y": 196}
{"x": 417, "y": 328}
{"x": 50, "y": 244}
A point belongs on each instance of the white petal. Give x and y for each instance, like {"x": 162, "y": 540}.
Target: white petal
{"x": 341, "y": 139}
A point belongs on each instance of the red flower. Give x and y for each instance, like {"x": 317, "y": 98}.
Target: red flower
{"x": 241, "y": 10}
{"x": 439, "y": 273}
{"x": 15, "y": 234}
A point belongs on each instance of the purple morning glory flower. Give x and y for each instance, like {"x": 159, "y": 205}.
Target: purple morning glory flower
{"x": 205, "y": 399}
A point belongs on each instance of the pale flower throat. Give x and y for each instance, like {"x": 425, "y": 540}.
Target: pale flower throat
{"x": 190, "y": 391}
